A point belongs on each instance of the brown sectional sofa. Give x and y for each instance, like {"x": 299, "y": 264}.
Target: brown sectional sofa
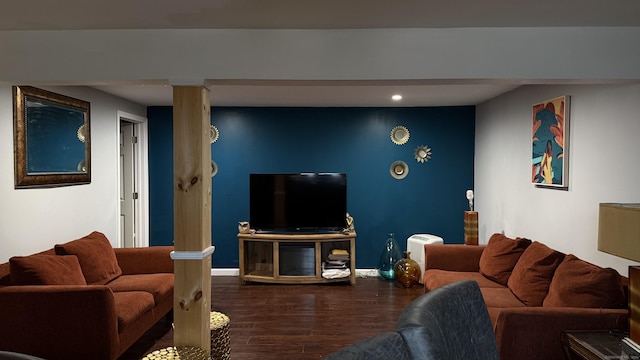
{"x": 533, "y": 293}
{"x": 83, "y": 299}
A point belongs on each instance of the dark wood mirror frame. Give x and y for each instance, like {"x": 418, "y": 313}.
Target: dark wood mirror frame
{"x": 24, "y": 178}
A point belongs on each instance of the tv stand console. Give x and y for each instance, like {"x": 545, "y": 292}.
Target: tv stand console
{"x": 292, "y": 258}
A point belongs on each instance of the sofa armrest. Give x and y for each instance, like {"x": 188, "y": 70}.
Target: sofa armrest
{"x": 452, "y": 257}
{"x": 59, "y": 321}
{"x": 536, "y": 332}
{"x": 148, "y": 260}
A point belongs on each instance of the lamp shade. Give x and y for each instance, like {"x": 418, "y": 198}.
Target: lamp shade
{"x": 619, "y": 230}
{"x": 619, "y": 235}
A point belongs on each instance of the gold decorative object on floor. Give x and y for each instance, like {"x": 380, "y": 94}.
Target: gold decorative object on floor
{"x": 407, "y": 271}
{"x": 178, "y": 353}
{"x": 220, "y": 341}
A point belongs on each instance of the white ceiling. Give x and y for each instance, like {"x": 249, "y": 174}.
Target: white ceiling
{"x": 313, "y": 14}
{"x": 312, "y": 95}
{"x": 316, "y": 14}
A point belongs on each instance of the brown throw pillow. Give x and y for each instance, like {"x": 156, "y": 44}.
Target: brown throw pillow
{"x": 46, "y": 270}
{"x": 500, "y": 256}
{"x": 96, "y": 256}
{"x": 531, "y": 277}
{"x": 578, "y": 283}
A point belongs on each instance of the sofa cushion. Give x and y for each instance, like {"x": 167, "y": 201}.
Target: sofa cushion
{"x": 435, "y": 278}
{"x": 96, "y": 256}
{"x": 130, "y": 306}
{"x": 5, "y": 269}
{"x": 532, "y": 275}
{"x": 46, "y": 270}
{"x": 159, "y": 285}
{"x": 500, "y": 256}
{"x": 577, "y": 283}
{"x": 500, "y": 298}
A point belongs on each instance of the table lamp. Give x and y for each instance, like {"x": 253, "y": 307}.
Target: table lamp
{"x": 619, "y": 235}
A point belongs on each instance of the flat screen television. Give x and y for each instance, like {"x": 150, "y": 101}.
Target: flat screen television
{"x": 304, "y": 202}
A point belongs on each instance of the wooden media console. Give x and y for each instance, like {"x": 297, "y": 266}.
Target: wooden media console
{"x": 292, "y": 258}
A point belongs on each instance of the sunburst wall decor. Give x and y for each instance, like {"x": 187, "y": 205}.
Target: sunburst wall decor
{"x": 422, "y": 154}
{"x": 214, "y": 134}
{"x": 81, "y": 133}
{"x": 400, "y": 135}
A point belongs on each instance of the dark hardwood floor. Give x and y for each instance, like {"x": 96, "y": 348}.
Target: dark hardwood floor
{"x": 272, "y": 321}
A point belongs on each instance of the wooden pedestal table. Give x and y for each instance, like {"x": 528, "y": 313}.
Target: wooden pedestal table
{"x": 471, "y": 227}
{"x": 220, "y": 341}
{"x": 178, "y": 353}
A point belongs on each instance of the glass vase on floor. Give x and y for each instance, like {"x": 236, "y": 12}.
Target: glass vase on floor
{"x": 407, "y": 271}
{"x": 388, "y": 257}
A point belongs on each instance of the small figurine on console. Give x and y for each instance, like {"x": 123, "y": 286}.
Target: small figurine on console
{"x": 243, "y": 227}
{"x": 350, "y": 225}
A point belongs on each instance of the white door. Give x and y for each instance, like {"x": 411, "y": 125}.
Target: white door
{"x": 128, "y": 193}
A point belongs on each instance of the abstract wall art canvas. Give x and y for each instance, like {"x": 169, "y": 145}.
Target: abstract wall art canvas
{"x": 550, "y": 143}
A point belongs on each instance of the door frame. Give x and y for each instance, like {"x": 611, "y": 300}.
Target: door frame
{"x": 141, "y": 173}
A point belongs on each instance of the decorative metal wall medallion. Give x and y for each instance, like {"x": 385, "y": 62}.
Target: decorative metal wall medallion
{"x": 400, "y": 135}
{"x": 399, "y": 169}
{"x": 214, "y": 134}
{"x": 81, "y": 133}
{"x": 422, "y": 154}
{"x": 214, "y": 168}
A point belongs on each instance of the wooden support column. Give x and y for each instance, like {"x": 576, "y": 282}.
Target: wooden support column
{"x": 192, "y": 216}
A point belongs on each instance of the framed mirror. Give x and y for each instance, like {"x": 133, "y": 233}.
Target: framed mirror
{"x": 52, "y": 139}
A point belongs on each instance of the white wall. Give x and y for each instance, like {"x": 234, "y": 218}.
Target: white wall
{"x": 603, "y": 167}
{"x": 36, "y": 219}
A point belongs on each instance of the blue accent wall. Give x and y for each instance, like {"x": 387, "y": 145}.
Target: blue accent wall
{"x": 355, "y": 141}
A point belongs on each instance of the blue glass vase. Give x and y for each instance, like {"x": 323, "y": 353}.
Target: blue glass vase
{"x": 388, "y": 257}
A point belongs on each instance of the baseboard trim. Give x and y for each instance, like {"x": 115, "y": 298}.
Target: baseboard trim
{"x": 225, "y": 272}
{"x": 236, "y": 272}
{"x": 362, "y": 273}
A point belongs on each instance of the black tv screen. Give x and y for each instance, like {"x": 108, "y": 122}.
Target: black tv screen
{"x": 305, "y": 202}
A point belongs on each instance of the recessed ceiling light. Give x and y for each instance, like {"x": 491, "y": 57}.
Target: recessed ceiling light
{"x": 396, "y": 97}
